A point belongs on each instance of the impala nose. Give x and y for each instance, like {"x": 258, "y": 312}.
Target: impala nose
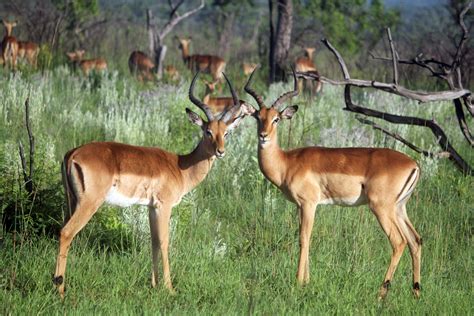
{"x": 220, "y": 153}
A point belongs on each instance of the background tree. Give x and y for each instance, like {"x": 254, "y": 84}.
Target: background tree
{"x": 280, "y": 40}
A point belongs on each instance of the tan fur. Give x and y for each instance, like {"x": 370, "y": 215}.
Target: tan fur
{"x": 305, "y": 64}
{"x": 28, "y": 51}
{"x": 248, "y": 68}
{"x": 217, "y": 104}
{"x": 124, "y": 174}
{"x": 213, "y": 65}
{"x": 141, "y": 65}
{"x": 172, "y": 72}
{"x": 380, "y": 177}
{"x": 9, "y": 46}
{"x": 86, "y": 65}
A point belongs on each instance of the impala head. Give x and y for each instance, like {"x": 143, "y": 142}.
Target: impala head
{"x": 268, "y": 118}
{"x": 210, "y": 86}
{"x": 217, "y": 127}
{"x": 183, "y": 42}
{"x": 76, "y": 55}
{"x": 9, "y": 26}
{"x": 309, "y": 51}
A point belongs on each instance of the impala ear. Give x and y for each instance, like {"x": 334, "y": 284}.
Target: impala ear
{"x": 289, "y": 112}
{"x": 194, "y": 118}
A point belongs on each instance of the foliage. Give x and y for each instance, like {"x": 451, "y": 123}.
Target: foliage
{"x": 350, "y": 24}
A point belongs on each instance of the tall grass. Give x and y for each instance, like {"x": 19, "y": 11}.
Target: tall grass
{"x": 234, "y": 239}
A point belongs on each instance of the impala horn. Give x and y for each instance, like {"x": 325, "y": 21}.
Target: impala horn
{"x": 290, "y": 94}
{"x": 198, "y": 102}
{"x": 252, "y": 92}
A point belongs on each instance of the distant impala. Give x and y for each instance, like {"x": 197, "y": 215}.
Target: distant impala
{"x": 306, "y": 64}
{"x": 124, "y": 175}
{"x": 9, "y": 46}
{"x": 213, "y": 65}
{"x": 141, "y": 65}
{"x": 217, "y": 104}
{"x": 87, "y": 65}
{"x": 28, "y": 51}
{"x": 380, "y": 177}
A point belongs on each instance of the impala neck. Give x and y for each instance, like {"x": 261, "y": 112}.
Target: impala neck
{"x": 272, "y": 161}
{"x": 185, "y": 52}
{"x": 195, "y": 166}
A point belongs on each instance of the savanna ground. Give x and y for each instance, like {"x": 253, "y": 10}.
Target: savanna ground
{"x": 234, "y": 239}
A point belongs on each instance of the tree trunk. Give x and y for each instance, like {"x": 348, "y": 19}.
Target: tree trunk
{"x": 271, "y": 62}
{"x": 226, "y": 34}
{"x": 280, "y": 44}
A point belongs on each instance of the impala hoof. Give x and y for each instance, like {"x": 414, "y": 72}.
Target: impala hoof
{"x": 384, "y": 290}
{"x": 416, "y": 290}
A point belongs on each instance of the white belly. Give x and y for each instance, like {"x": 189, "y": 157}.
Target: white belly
{"x": 345, "y": 201}
{"x": 114, "y": 197}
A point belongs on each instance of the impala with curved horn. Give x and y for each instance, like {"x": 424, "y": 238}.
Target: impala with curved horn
{"x": 123, "y": 175}
{"x": 380, "y": 177}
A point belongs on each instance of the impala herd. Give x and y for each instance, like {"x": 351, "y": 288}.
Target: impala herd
{"x": 124, "y": 175}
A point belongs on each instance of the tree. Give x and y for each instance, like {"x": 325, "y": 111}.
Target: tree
{"x": 281, "y": 40}
{"x": 351, "y": 24}
{"x": 156, "y": 37}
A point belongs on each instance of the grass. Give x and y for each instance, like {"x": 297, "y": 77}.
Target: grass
{"x": 234, "y": 244}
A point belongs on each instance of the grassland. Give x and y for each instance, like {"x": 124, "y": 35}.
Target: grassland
{"x": 234, "y": 240}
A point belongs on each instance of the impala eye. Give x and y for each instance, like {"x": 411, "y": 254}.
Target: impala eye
{"x": 209, "y": 133}
{"x": 276, "y": 120}
{"x": 226, "y": 134}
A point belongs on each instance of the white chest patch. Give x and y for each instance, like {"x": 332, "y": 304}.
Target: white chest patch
{"x": 114, "y": 197}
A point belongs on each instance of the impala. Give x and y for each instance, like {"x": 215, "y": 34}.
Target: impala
{"x": 87, "y": 65}
{"x": 28, "y": 51}
{"x": 306, "y": 64}
{"x": 141, "y": 65}
{"x": 123, "y": 175}
{"x": 9, "y": 46}
{"x": 380, "y": 177}
{"x": 217, "y": 104}
{"x": 213, "y": 65}
{"x": 248, "y": 68}
{"x": 172, "y": 72}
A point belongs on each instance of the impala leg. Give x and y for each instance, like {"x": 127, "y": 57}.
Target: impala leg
{"x": 414, "y": 244}
{"x": 160, "y": 222}
{"x": 155, "y": 242}
{"x": 80, "y": 217}
{"x": 388, "y": 220}
{"x": 307, "y": 212}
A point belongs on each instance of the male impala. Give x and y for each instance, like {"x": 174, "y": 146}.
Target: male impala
{"x": 141, "y": 65}
{"x": 9, "y": 46}
{"x": 28, "y": 51}
{"x": 124, "y": 175}
{"x": 86, "y": 65}
{"x": 380, "y": 177}
{"x": 217, "y": 104}
{"x": 306, "y": 64}
{"x": 210, "y": 64}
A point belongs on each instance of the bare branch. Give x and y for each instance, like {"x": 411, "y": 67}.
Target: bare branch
{"x": 394, "y": 57}
{"x": 442, "y": 154}
{"x": 437, "y": 131}
{"x": 465, "y": 34}
{"x": 345, "y": 72}
{"x": 176, "y": 19}
{"x": 28, "y": 177}
{"x": 421, "y": 96}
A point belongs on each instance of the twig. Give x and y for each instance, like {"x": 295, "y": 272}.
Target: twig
{"x": 394, "y": 57}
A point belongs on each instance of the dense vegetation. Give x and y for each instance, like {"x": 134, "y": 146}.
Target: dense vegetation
{"x": 234, "y": 239}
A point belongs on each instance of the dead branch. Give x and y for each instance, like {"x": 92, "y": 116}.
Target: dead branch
{"x": 437, "y": 131}
{"x": 28, "y": 176}
{"x": 442, "y": 154}
{"x": 421, "y": 96}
